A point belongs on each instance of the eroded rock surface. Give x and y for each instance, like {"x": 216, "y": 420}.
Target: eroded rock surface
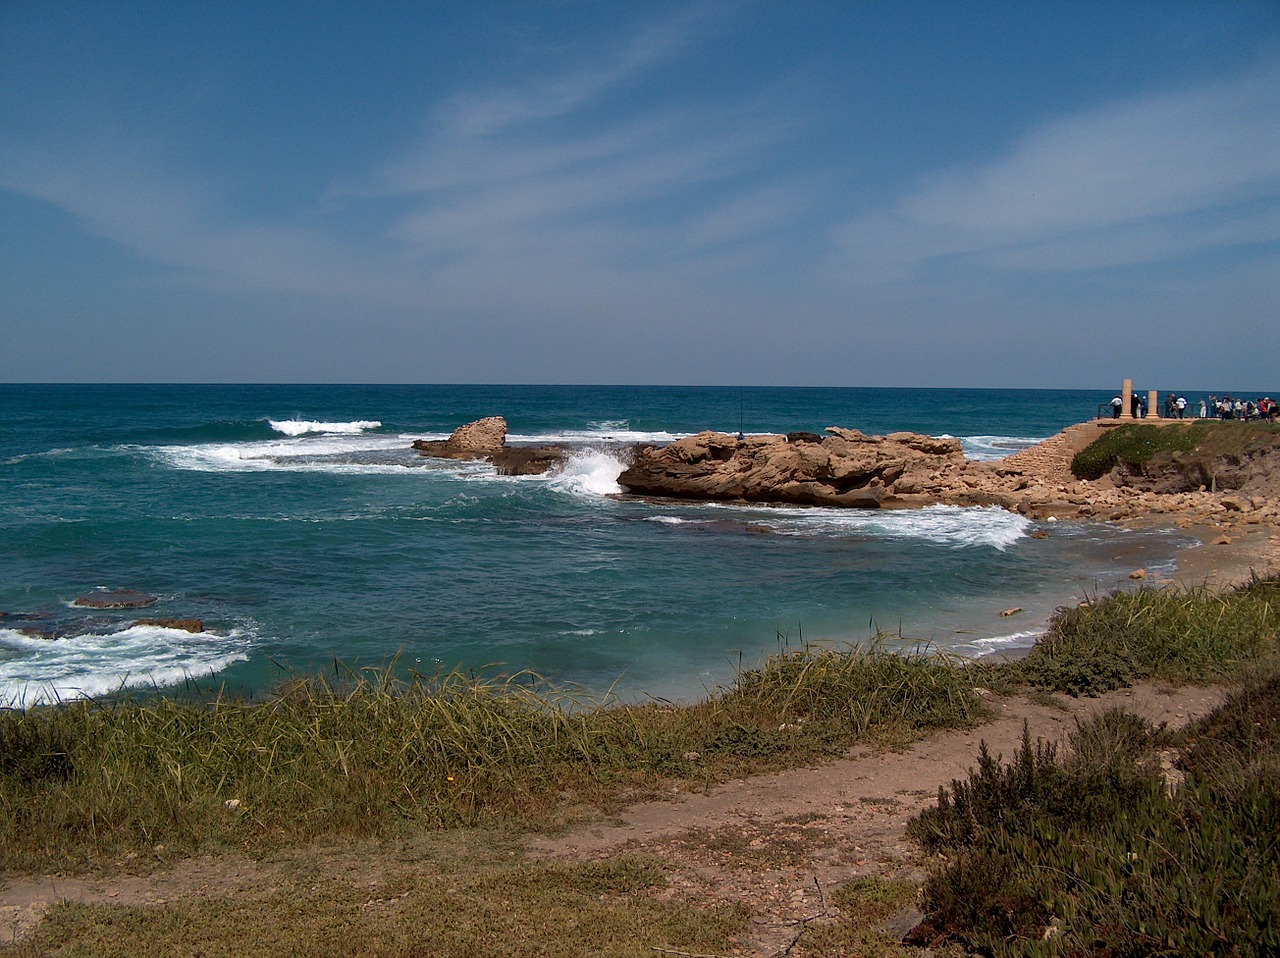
{"x": 115, "y": 599}
{"x": 846, "y": 468}
{"x": 487, "y": 439}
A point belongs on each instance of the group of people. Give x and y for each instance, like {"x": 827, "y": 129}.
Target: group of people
{"x": 1177, "y": 407}
{"x": 1246, "y": 409}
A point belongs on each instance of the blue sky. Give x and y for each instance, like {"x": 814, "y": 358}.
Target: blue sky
{"x": 807, "y": 193}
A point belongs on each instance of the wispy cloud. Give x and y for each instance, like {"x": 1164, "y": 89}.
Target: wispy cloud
{"x": 1140, "y": 181}
{"x": 177, "y": 225}
{"x": 553, "y": 178}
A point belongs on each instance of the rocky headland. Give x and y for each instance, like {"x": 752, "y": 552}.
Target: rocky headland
{"x": 1222, "y": 491}
{"x": 848, "y": 468}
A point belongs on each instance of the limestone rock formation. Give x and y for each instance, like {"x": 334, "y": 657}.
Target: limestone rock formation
{"x": 475, "y": 440}
{"x": 847, "y": 468}
{"x": 487, "y": 439}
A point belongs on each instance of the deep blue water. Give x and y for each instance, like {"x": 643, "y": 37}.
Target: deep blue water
{"x": 298, "y": 523}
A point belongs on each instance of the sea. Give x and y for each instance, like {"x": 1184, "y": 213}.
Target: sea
{"x": 302, "y": 529}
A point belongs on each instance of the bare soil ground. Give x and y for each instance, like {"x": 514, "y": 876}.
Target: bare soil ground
{"x": 774, "y": 843}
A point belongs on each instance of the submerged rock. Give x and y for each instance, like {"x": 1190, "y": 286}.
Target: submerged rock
{"x": 185, "y": 625}
{"x": 115, "y": 599}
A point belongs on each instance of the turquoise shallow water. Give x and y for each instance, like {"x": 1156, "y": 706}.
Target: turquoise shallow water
{"x": 298, "y": 523}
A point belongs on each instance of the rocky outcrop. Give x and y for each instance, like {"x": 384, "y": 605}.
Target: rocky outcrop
{"x": 847, "y": 468}
{"x": 115, "y": 599}
{"x": 475, "y": 440}
{"x": 487, "y": 439}
{"x": 185, "y": 625}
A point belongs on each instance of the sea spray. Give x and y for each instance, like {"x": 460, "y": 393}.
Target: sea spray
{"x": 590, "y": 472}
{"x": 302, "y": 427}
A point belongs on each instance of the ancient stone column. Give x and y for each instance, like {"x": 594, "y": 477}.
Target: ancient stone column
{"x": 1153, "y": 408}
{"x": 1126, "y": 394}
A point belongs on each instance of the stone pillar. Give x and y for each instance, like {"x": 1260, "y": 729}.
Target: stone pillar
{"x": 1126, "y": 394}
{"x": 1153, "y": 404}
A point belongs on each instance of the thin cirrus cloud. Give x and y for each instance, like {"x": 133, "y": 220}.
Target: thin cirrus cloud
{"x": 1141, "y": 181}
{"x": 560, "y": 171}
{"x": 538, "y": 175}
{"x": 177, "y": 224}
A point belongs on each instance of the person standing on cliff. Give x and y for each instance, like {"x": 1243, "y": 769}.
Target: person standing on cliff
{"x": 1115, "y": 407}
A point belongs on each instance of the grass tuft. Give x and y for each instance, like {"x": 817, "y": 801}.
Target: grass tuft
{"x": 1180, "y": 635}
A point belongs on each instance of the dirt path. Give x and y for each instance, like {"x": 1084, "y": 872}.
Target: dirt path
{"x": 774, "y": 843}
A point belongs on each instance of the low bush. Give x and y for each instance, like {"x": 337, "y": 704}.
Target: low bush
{"x": 1097, "y": 853}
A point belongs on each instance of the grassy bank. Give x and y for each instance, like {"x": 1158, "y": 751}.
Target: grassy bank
{"x": 85, "y": 783}
{"x": 1134, "y": 445}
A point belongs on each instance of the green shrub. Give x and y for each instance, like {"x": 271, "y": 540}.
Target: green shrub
{"x": 1133, "y": 444}
{"x": 1097, "y": 854}
{"x": 1192, "y": 635}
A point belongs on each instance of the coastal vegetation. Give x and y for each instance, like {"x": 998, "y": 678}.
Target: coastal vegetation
{"x": 367, "y": 755}
{"x": 1104, "y": 852}
{"x": 1174, "y": 635}
{"x": 1134, "y": 445}
{"x": 1131, "y": 837}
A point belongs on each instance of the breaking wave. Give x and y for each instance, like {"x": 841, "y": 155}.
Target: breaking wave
{"x": 37, "y": 671}
{"x": 302, "y": 427}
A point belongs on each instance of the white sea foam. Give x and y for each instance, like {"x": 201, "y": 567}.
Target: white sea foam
{"x": 37, "y": 671}
{"x": 589, "y": 472}
{"x": 945, "y": 525}
{"x": 301, "y": 427}
{"x": 995, "y": 644}
{"x": 322, "y": 453}
{"x": 1012, "y": 640}
{"x": 618, "y": 433}
{"x": 990, "y": 448}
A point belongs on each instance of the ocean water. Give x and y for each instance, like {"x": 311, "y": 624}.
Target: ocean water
{"x": 300, "y": 526}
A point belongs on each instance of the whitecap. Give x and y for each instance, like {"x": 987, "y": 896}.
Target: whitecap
{"x": 956, "y": 526}
{"x": 301, "y": 427}
{"x": 596, "y": 434}
{"x": 323, "y": 453}
{"x": 36, "y": 671}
